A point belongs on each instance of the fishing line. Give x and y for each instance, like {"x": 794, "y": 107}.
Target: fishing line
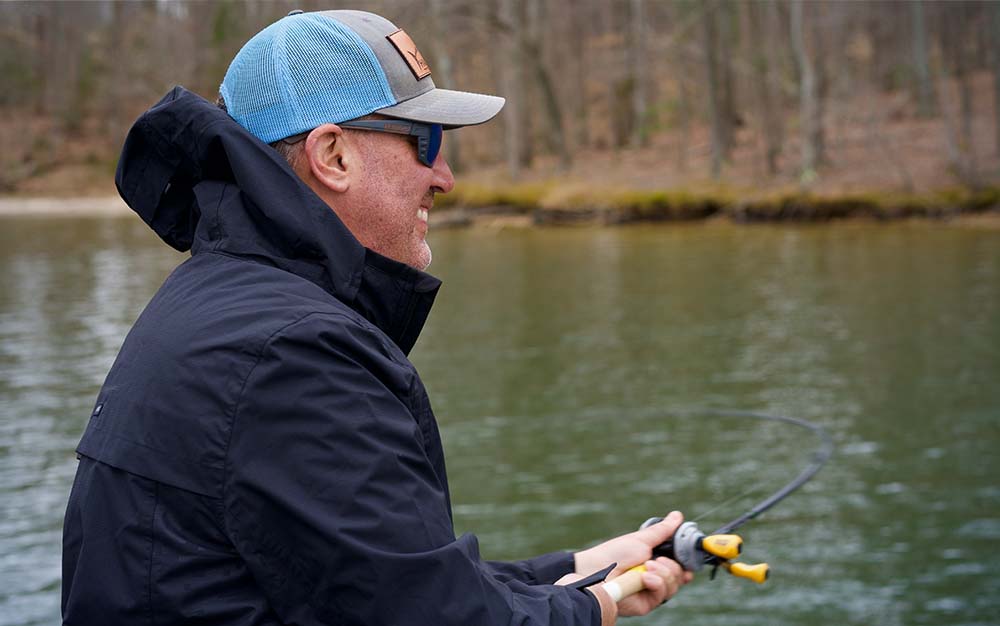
{"x": 820, "y": 456}
{"x": 727, "y": 502}
{"x": 693, "y": 549}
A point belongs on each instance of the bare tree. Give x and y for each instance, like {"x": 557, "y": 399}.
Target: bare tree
{"x": 533, "y": 53}
{"x": 505, "y": 19}
{"x": 620, "y": 85}
{"x": 578, "y": 44}
{"x": 761, "y": 25}
{"x": 809, "y": 110}
{"x": 921, "y": 64}
{"x": 59, "y": 49}
{"x": 637, "y": 68}
{"x": 823, "y": 30}
{"x": 953, "y": 35}
{"x": 578, "y": 51}
{"x": 684, "y": 122}
{"x": 995, "y": 21}
{"x": 443, "y": 71}
{"x": 729, "y": 118}
{"x": 715, "y": 111}
{"x": 575, "y": 73}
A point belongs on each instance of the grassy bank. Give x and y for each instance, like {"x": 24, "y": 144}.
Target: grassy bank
{"x": 555, "y": 204}
{"x": 572, "y": 203}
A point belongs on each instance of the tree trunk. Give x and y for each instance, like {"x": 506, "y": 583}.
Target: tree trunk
{"x": 521, "y": 23}
{"x": 55, "y": 70}
{"x": 619, "y": 84}
{"x": 579, "y": 47}
{"x": 637, "y": 69}
{"x": 443, "y": 73}
{"x": 684, "y": 113}
{"x": 535, "y": 55}
{"x": 921, "y": 65}
{"x": 712, "y": 78}
{"x": 728, "y": 116}
{"x": 774, "y": 119}
{"x": 68, "y": 49}
{"x": 761, "y": 55}
{"x": 819, "y": 57}
{"x": 43, "y": 32}
{"x": 963, "y": 74}
{"x": 958, "y": 133}
{"x": 995, "y": 15}
{"x": 510, "y": 79}
{"x": 808, "y": 95}
{"x": 114, "y": 104}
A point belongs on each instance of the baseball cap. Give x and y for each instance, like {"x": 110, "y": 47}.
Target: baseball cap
{"x": 308, "y": 69}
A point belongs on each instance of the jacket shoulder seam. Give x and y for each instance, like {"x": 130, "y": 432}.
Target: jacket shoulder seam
{"x": 239, "y": 397}
{"x": 235, "y": 257}
{"x": 350, "y": 314}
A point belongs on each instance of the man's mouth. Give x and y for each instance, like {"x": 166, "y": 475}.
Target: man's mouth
{"x": 425, "y": 207}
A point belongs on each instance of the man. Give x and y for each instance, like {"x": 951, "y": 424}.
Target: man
{"x": 262, "y": 451}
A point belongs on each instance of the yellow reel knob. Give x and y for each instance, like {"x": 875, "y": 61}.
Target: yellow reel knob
{"x": 757, "y": 573}
{"x": 723, "y": 546}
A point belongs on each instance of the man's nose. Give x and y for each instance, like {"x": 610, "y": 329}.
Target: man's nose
{"x": 443, "y": 181}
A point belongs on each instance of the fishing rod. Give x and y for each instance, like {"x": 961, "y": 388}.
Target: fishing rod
{"x": 693, "y": 549}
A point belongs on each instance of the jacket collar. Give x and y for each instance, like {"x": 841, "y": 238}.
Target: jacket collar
{"x": 202, "y": 182}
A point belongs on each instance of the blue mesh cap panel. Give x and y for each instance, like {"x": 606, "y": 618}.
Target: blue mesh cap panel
{"x": 253, "y": 93}
{"x": 340, "y": 86}
{"x": 300, "y": 72}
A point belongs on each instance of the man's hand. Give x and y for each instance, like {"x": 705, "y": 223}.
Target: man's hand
{"x": 663, "y": 576}
{"x": 661, "y": 579}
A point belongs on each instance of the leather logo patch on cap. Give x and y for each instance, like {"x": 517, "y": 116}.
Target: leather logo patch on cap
{"x": 408, "y": 49}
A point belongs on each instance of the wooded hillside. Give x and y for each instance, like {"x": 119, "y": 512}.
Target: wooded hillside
{"x": 752, "y": 93}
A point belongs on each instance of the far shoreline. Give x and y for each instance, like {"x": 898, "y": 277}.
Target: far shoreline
{"x": 529, "y": 207}
{"x": 62, "y": 207}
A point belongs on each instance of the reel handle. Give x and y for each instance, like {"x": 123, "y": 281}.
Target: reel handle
{"x": 722, "y": 546}
{"x": 758, "y": 573}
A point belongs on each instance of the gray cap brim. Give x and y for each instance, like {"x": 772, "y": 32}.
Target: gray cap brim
{"x": 447, "y": 107}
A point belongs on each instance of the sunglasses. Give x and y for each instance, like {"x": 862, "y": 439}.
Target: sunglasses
{"x": 428, "y": 135}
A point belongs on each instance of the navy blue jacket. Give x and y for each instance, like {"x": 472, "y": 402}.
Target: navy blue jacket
{"x": 262, "y": 451}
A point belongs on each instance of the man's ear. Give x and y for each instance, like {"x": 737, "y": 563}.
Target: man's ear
{"x": 329, "y": 158}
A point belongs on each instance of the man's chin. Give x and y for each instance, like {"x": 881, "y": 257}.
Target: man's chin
{"x": 421, "y": 260}
{"x": 427, "y": 257}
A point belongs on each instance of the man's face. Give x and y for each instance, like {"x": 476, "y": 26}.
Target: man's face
{"x": 392, "y": 196}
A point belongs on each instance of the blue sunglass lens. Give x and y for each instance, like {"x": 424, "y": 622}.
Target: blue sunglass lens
{"x": 434, "y": 143}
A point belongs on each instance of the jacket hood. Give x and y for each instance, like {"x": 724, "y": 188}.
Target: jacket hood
{"x": 203, "y": 183}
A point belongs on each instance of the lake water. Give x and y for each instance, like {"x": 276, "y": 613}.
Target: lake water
{"x": 573, "y": 371}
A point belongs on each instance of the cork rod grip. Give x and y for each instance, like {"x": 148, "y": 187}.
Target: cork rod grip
{"x": 625, "y": 585}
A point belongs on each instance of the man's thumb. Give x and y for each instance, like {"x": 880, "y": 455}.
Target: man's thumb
{"x": 659, "y": 532}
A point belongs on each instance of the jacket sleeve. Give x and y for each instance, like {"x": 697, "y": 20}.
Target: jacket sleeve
{"x": 541, "y": 570}
{"x": 332, "y": 501}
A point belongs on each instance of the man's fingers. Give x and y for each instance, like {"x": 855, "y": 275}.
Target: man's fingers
{"x": 653, "y": 582}
{"x": 671, "y": 565}
{"x": 663, "y": 580}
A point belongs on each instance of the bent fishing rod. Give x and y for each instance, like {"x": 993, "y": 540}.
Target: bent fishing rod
{"x": 693, "y": 549}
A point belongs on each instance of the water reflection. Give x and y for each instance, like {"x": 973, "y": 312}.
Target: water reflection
{"x": 69, "y": 290}
{"x": 584, "y": 339}
{"x": 554, "y": 358}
